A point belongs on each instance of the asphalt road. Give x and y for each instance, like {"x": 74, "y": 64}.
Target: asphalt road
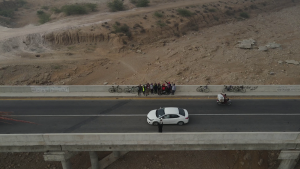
{"x": 129, "y": 116}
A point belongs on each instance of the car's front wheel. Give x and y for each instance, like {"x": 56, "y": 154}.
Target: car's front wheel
{"x": 155, "y": 123}
{"x": 180, "y": 123}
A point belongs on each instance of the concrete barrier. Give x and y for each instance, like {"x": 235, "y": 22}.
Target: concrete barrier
{"x": 102, "y": 90}
{"x": 150, "y": 141}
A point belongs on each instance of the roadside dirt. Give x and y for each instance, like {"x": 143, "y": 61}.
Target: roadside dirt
{"x": 89, "y": 53}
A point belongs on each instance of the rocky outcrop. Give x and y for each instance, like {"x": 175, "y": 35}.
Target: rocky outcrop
{"x": 30, "y": 43}
{"x": 69, "y": 37}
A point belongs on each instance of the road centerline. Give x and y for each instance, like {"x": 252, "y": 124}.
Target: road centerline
{"x": 141, "y": 115}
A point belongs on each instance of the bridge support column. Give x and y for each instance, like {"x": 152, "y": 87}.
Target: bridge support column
{"x": 63, "y": 157}
{"x": 289, "y": 159}
{"x": 117, "y": 154}
{"x": 66, "y": 164}
{"x": 94, "y": 160}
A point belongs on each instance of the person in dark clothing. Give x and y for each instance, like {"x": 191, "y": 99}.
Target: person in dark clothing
{"x": 155, "y": 88}
{"x": 169, "y": 87}
{"x": 159, "y": 89}
{"x": 151, "y": 88}
{"x": 160, "y": 126}
{"x": 140, "y": 90}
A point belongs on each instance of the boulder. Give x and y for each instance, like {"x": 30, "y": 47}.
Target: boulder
{"x": 246, "y": 44}
{"x": 262, "y": 48}
{"x": 273, "y": 45}
{"x": 292, "y": 62}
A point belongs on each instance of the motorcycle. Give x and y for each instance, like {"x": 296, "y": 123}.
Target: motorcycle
{"x": 228, "y": 102}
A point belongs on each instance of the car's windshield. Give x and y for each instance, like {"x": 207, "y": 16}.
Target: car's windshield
{"x": 160, "y": 112}
{"x": 181, "y": 111}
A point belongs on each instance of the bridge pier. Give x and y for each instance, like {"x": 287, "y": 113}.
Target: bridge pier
{"x": 66, "y": 164}
{"x": 63, "y": 157}
{"x": 289, "y": 159}
{"x": 94, "y": 160}
{"x": 117, "y": 154}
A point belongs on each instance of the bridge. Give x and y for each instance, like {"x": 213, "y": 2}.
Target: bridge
{"x": 74, "y": 121}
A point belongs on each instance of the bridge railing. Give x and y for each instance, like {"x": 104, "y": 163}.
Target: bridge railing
{"x": 150, "y": 141}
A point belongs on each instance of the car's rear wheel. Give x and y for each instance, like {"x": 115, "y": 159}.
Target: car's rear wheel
{"x": 155, "y": 123}
{"x": 180, "y": 123}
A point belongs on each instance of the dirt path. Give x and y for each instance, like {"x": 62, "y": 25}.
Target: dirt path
{"x": 87, "y": 20}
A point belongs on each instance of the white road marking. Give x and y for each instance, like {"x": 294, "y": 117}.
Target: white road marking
{"x": 141, "y": 115}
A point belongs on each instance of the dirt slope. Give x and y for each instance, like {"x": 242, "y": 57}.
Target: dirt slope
{"x": 180, "y": 51}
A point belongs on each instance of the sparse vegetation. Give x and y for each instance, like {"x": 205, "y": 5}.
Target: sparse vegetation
{"x": 184, "y": 12}
{"x": 40, "y": 12}
{"x": 56, "y": 66}
{"x": 158, "y": 14}
{"x": 212, "y": 10}
{"x": 116, "y": 5}
{"x": 91, "y": 6}
{"x": 140, "y": 3}
{"x": 118, "y": 28}
{"x": 216, "y": 18}
{"x": 244, "y": 15}
{"x": 21, "y": 3}
{"x": 45, "y": 7}
{"x": 229, "y": 13}
{"x": 160, "y": 23}
{"x": 253, "y": 6}
{"x": 76, "y": 9}
{"x": 44, "y": 17}
{"x": 7, "y": 13}
{"x": 193, "y": 26}
{"x": 56, "y": 10}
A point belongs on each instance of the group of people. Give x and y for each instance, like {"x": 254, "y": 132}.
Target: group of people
{"x": 157, "y": 88}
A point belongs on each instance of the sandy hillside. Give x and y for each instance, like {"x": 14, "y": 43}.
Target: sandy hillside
{"x": 198, "y": 50}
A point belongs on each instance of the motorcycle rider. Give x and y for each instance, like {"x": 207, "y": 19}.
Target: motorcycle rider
{"x": 225, "y": 98}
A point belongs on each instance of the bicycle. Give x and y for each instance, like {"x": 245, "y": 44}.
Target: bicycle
{"x": 203, "y": 89}
{"x": 228, "y": 89}
{"x": 240, "y": 89}
{"x": 115, "y": 89}
{"x": 132, "y": 89}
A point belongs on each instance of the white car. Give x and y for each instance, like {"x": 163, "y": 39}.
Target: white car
{"x": 169, "y": 115}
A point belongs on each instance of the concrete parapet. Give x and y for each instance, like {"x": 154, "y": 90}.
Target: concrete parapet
{"x": 289, "y": 159}
{"x": 289, "y": 154}
{"x": 104, "y": 88}
{"x": 153, "y": 141}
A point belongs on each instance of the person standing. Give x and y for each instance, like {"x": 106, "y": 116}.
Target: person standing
{"x": 160, "y": 125}
{"x": 144, "y": 88}
{"x": 140, "y": 89}
{"x": 155, "y": 88}
{"x": 151, "y": 88}
{"x": 159, "y": 89}
{"x": 173, "y": 88}
{"x": 147, "y": 89}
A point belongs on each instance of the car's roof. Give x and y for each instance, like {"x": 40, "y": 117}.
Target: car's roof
{"x": 171, "y": 110}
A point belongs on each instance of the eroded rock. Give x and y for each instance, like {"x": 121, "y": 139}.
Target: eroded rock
{"x": 246, "y": 44}
{"x": 292, "y": 62}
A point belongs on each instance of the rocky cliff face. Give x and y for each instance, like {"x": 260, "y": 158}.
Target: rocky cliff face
{"x": 69, "y": 37}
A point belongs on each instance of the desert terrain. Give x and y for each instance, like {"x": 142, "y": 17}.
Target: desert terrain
{"x": 202, "y": 49}
{"x": 196, "y": 50}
